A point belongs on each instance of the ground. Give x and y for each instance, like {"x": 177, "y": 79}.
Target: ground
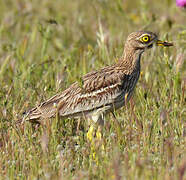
{"x": 47, "y": 45}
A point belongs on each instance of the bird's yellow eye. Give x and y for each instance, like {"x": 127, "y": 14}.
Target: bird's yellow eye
{"x": 145, "y": 38}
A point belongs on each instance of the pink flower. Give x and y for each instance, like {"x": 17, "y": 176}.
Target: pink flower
{"x": 181, "y": 3}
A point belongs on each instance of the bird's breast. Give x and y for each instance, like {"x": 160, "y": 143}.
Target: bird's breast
{"x": 126, "y": 89}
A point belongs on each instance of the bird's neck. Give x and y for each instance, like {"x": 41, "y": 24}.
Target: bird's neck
{"x": 130, "y": 60}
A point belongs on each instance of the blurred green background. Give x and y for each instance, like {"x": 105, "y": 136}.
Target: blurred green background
{"x": 47, "y": 45}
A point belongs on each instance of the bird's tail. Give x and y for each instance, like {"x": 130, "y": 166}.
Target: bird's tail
{"x": 45, "y": 110}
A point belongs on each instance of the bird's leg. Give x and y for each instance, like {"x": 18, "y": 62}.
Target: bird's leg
{"x": 99, "y": 137}
{"x": 95, "y": 138}
{"x": 100, "y": 127}
{"x": 118, "y": 127}
{"x": 98, "y": 133}
{"x": 96, "y": 118}
{"x": 90, "y": 138}
{"x": 99, "y": 119}
{"x": 90, "y": 133}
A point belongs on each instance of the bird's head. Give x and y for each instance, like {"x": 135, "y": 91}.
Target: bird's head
{"x": 143, "y": 40}
{"x": 136, "y": 44}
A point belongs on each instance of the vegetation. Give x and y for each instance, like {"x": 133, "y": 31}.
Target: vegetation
{"x": 47, "y": 45}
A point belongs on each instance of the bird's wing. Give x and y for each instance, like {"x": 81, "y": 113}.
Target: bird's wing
{"x": 98, "y": 89}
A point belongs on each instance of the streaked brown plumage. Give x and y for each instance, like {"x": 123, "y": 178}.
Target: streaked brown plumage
{"x": 103, "y": 90}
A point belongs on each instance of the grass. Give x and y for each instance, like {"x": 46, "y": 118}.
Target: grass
{"x": 46, "y": 45}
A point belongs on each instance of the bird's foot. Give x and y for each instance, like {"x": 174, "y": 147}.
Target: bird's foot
{"x": 95, "y": 140}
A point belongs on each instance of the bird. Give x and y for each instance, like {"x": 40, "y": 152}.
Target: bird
{"x": 101, "y": 91}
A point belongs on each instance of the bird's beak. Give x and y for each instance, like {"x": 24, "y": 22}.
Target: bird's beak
{"x": 163, "y": 43}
